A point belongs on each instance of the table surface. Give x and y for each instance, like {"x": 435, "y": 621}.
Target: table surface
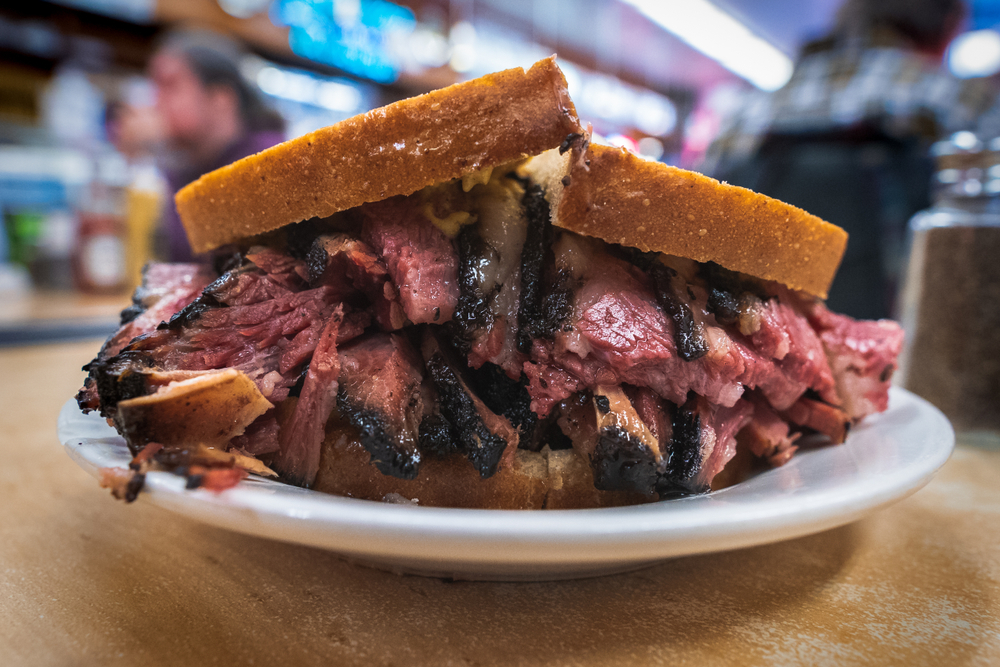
{"x": 47, "y": 305}
{"x": 85, "y": 579}
{"x": 36, "y": 316}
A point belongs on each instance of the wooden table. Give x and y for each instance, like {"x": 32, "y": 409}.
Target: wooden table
{"x": 88, "y": 580}
{"x": 37, "y": 316}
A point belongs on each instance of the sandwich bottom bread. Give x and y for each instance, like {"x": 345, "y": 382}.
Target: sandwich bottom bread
{"x": 579, "y": 329}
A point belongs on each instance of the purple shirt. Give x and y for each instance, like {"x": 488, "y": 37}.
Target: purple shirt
{"x": 178, "y": 248}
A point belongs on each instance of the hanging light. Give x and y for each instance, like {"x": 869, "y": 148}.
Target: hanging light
{"x": 975, "y": 53}
{"x": 718, "y": 35}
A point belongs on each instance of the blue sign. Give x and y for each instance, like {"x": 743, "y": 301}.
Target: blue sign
{"x": 985, "y": 14}
{"x": 352, "y": 35}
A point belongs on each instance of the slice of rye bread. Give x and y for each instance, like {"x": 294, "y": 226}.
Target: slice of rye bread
{"x": 395, "y": 150}
{"x": 533, "y": 480}
{"x": 621, "y": 198}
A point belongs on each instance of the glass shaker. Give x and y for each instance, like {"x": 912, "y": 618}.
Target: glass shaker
{"x": 951, "y": 298}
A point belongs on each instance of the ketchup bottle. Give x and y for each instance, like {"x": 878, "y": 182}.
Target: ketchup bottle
{"x": 99, "y": 255}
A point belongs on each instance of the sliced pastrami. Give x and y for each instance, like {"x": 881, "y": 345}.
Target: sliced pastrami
{"x": 246, "y": 320}
{"x": 244, "y": 285}
{"x": 620, "y": 332}
{"x": 723, "y": 422}
{"x": 767, "y": 435}
{"x": 670, "y": 290}
{"x": 261, "y": 437}
{"x": 615, "y": 317}
{"x": 477, "y": 282}
{"x": 533, "y": 253}
{"x": 626, "y": 456}
{"x": 638, "y": 442}
{"x": 548, "y": 384}
{"x": 347, "y": 264}
{"x": 490, "y": 254}
{"x": 380, "y": 395}
{"x": 862, "y": 357}
{"x": 437, "y": 435}
{"x": 355, "y": 323}
{"x": 509, "y": 398}
{"x": 820, "y": 417}
{"x": 617, "y": 334}
{"x": 687, "y": 453}
{"x": 482, "y": 435}
{"x": 289, "y": 272}
{"x": 653, "y": 411}
{"x": 420, "y": 259}
{"x": 704, "y": 441}
{"x": 275, "y": 335}
{"x": 785, "y": 336}
{"x": 301, "y": 437}
{"x": 165, "y": 289}
{"x": 116, "y": 379}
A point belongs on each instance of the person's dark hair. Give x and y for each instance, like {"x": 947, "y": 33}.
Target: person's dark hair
{"x": 927, "y": 23}
{"x": 215, "y": 61}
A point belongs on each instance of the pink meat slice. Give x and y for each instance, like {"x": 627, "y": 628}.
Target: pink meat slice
{"x": 380, "y": 378}
{"x": 619, "y": 334}
{"x": 719, "y": 426}
{"x": 289, "y": 272}
{"x": 767, "y": 434}
{"x": 819, "y": 416}
{"x": 269, "y": 340}
{"x": 165, "y": 289}
{"x": 345, "y": 262}
{"x": 863, "y": 356}
{"x": 420, "y": 259}
{"x": 261, "y": 437}
{"x": 301, "y": 438}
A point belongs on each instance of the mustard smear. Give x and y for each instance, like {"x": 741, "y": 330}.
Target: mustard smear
{"x": 481, "y": 177}
{"x": 451, "y": 224}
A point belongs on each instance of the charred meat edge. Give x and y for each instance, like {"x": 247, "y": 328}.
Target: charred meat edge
{"x": 668, "y": 287}
{"x": 373, "y": 434}
{"x": 627, "y": 456}
{"x": 541, "y": 312}
{"x": 483, "y": 447}
{"x": 473, "y": 309}
{"x": 388, "y": 455}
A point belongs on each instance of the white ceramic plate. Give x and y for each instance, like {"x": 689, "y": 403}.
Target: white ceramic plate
{"x": 884, "y": 460}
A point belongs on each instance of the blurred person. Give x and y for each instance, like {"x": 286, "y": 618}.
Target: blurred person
{"x": 206, "y": 116}
{"x": 848, "y": 137}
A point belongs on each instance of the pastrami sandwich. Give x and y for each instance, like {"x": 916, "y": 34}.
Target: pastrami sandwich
{"x": 457, "y": 300}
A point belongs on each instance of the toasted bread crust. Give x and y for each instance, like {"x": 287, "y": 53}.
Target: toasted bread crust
{"x": 621, "y": 198}
{"x": 395, "y": 150}
{"x": 533, "y": 480}
{"x": 345, "y": 470}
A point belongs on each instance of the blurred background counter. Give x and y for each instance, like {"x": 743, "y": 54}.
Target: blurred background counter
{"x": 34, "y": 316}
{"x": 89, "y": 156}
